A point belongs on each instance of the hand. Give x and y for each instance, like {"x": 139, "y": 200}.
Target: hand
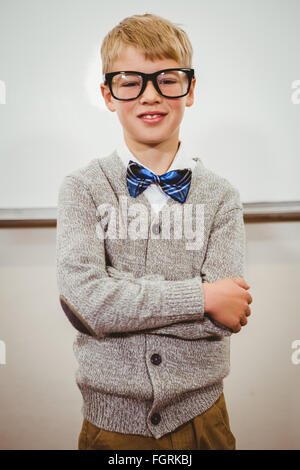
{"x": 227, "y": 301}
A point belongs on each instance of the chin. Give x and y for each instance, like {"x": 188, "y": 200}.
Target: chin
{"x": 152, "y": 141}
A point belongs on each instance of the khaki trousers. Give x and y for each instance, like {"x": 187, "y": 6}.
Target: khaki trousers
{"x": 208, "y": 431}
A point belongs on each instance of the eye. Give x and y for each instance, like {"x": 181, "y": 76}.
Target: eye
{"x": 168, "y": 78}
{"x": 167, "y": 81}
{"x": 129, "y": 84}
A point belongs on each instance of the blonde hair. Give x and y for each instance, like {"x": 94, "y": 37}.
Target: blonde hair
{"x": 156, "y": 37}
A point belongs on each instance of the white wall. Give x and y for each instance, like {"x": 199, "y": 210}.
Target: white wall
{"x": 244, "y": 121}
{"x": 40, "y": 404}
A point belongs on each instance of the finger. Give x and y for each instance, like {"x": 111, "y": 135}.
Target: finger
{"x": 249, "y": 298}
{"x": 248, "y": 311}
{"x": 241, "y": 282}
{"x": 243, "y": 321}
{"x": 237, "y": 328}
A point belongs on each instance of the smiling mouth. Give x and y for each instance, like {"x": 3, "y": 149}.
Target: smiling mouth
{"x": 152, "y": 118}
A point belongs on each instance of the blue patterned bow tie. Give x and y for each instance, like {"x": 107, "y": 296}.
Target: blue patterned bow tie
{"x": 175, "y": 183}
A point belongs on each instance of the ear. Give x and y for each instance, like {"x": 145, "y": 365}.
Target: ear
{"x": 190, "y": 96}
{"x": 107, "y": 97}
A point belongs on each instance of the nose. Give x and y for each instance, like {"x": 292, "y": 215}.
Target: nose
{"x": 150, "y": 92}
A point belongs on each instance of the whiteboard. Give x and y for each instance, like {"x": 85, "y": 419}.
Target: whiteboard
{"x": 244, "y": 123}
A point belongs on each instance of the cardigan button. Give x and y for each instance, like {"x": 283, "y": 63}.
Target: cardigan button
{"x": 156, "y": 229}
{"x": 155, "y": 418}
{"x": 156, "y": 359}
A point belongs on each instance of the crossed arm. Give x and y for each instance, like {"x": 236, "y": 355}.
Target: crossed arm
{"x": 100, "y": 302}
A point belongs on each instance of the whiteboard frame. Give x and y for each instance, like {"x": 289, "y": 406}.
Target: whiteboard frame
{"x": 253, "y": 212}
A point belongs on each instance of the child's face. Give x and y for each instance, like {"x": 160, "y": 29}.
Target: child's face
{"x": 137, "y": 132}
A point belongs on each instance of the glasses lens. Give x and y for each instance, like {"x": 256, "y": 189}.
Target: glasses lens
{"x": 126, "y": 85}
{"x": 173, "y": 83}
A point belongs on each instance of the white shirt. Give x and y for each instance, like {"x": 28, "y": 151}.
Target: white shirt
{"x": 154, "y": 193}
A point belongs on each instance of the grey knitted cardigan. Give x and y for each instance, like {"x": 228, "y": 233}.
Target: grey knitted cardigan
{"x": 150, "y": 359}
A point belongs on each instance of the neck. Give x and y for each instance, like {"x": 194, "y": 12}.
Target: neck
{"x": 158, "y": 158}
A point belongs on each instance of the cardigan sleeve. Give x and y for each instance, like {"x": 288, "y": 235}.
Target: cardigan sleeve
{"x": 225, "y": 254}
{"x": 224, "y": 258}
{"x": 96, "y": 303}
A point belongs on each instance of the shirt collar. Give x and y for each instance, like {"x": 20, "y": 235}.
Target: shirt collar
{"x": 180, "y": 161}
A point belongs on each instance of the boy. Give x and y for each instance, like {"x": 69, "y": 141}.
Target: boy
{"x": 154, "y": 314}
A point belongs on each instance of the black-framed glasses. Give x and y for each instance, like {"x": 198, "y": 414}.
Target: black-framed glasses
{"x": 129, "y": 85}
